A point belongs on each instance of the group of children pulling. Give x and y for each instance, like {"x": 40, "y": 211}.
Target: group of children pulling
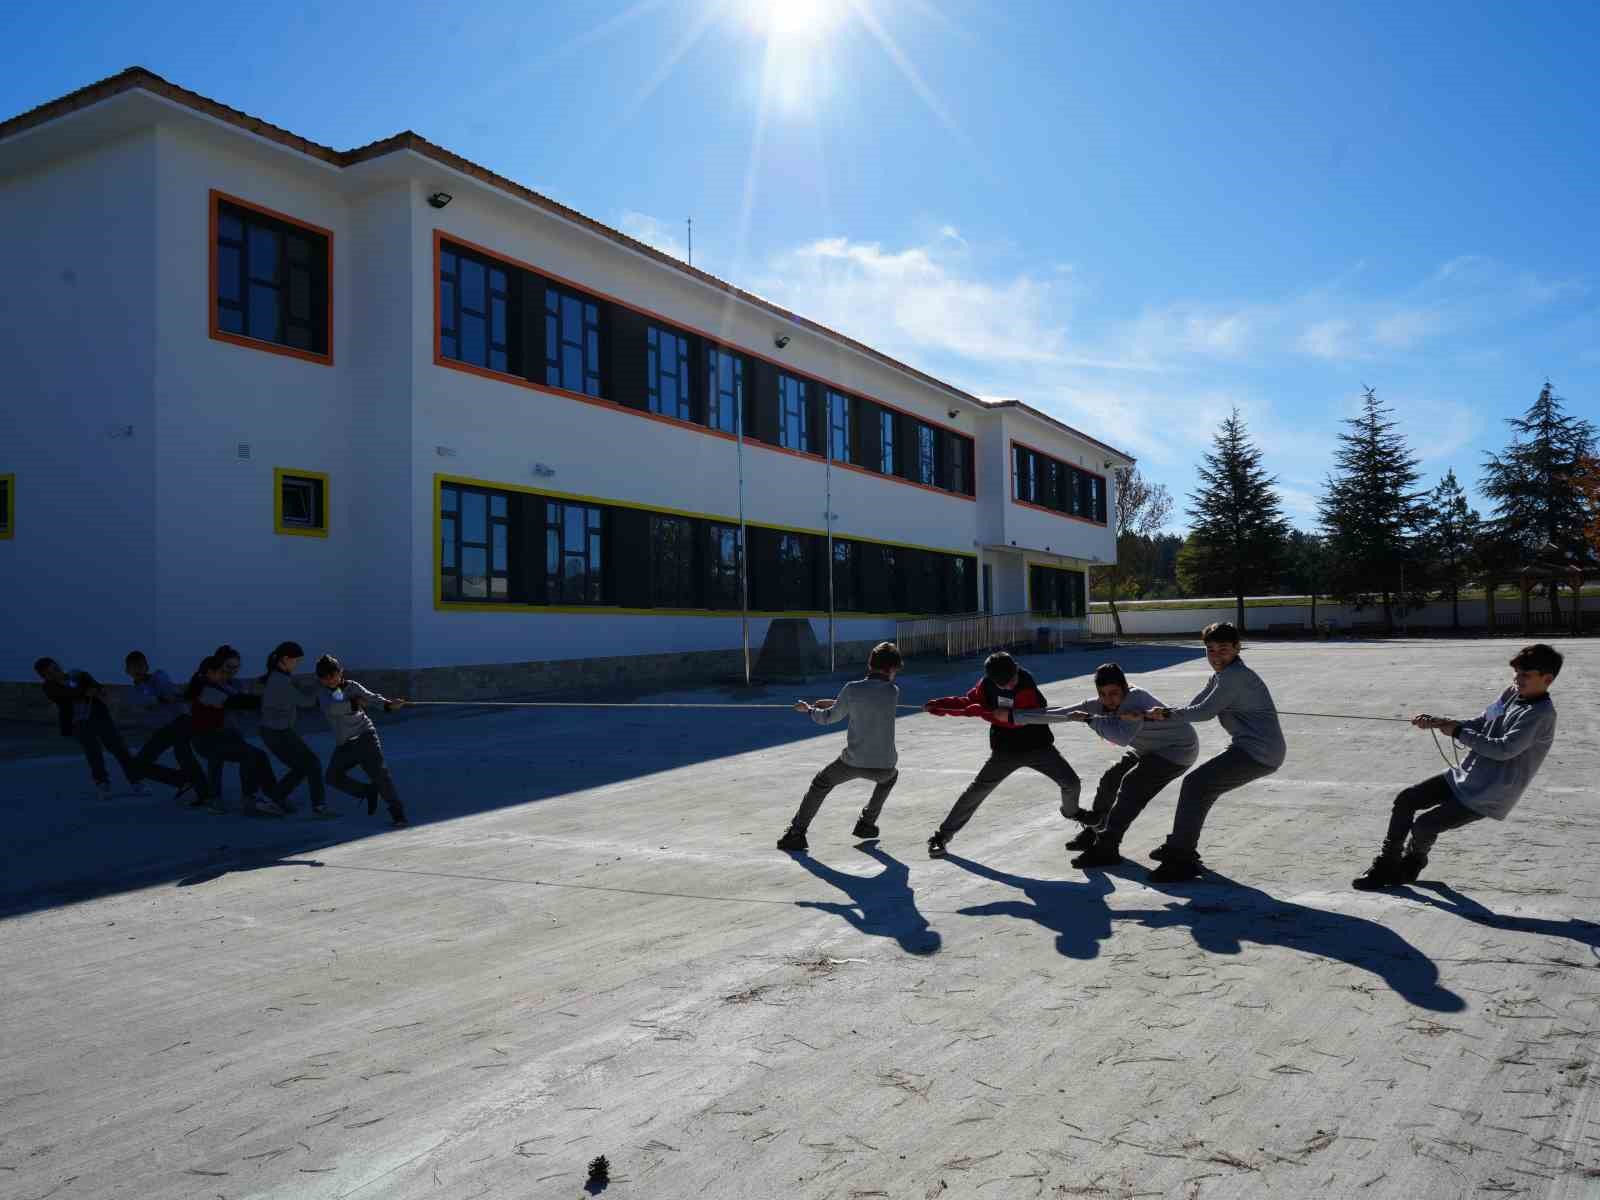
{"x": 1506, "y": 745}
{"x": 202, "y": 726}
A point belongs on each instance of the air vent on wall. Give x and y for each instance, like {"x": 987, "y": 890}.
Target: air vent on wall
{"x": 242, "y": 451}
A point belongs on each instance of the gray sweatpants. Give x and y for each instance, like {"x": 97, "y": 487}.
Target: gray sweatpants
{"x": 1233, "y": 768}
{"x": 1127, "y": 788}
{"x": 830, "y": 777}
{"x": 1046, "y": 760}
{"x": 365, "y": 752}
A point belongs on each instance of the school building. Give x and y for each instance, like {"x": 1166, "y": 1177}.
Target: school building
{"x": 392, "y": 405}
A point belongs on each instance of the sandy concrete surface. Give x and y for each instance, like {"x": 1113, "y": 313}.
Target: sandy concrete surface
{"x": 587, "y": 945}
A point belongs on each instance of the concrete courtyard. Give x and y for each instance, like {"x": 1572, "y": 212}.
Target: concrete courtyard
{"x": 587, "y": 945}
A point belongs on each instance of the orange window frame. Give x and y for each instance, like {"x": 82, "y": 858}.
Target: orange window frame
{"x": 214, "y": 198}
{"x": 1011, "y": 491}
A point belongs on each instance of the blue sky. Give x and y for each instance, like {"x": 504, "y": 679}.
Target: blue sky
{"x": 1132, "y": 216}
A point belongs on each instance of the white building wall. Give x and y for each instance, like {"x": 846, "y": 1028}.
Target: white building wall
{"x": 225, "y": 575}
{"x": 77, "y": 344}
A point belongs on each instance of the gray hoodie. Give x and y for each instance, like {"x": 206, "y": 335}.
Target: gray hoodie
{"x": 1243, "y": 706}
{"x": 342, "y": 706}
{"x": 1508, "y": 743}
{"x": 1173, "y": 741}
{"x": 869, "y": 705}
{"x": 281, "y": 701}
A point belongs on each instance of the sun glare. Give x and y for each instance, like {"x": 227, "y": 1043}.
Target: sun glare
{"x": 793, "y": 19}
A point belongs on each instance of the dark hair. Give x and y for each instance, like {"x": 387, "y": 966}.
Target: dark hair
{"x": 1108, "y": 673}
{"x": 198, "y": 680}
{"x": 1223, "y": 632}
{"x": 1546, "y": 660}
{"x": 999, "y": 667}
{"x": 135, "y": 656}
{"x": 224, "y": 652}
{"x": 328, "y": 666}
{"x": 885, "y": 656}
{"x": 282, "y": 650}
{"x": 41, "y": 665}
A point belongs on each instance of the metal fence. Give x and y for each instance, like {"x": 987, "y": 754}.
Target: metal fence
{"x": 977, "y": 633}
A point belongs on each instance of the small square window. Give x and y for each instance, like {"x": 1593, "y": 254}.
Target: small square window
{"x": 301, "y": 502}
{"x": 8, "y": 488}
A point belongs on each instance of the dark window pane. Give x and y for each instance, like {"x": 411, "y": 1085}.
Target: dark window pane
{"x": 230, "y": 320}
{"x": 497, "y": 279}
{"x": 472, "y": 284}
{"x": 300, "y": 294}
{"x": 497, "y": 506}
{"x": 447, "y": 499}
{"x": 499, "y": 547}
{"x": 263, "y": 312}
{"x": 263, "y": 254}
{"x": 447, "y": 346}
{"x": 474, "y": 349}
{"x": 573, "y": 525}
{"x": 299, "y": 249}
{"x": 447, "y": 263}
{"x": 229, "y": 227}
{"x": 447, "y": 305}
{"x": 228, "y": 272}
{"x": 474, "y": 521}
{"x": 552, "y": 552}
{"x": 572, "y": 368}
{"x": 447, "y": 542}
{"x": 498, "y": 327}
{"x": 299, "y": 337}
{"x": 497, "y": 360}
{"x": 474, "y": 573}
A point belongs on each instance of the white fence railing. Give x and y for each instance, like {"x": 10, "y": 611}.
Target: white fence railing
{"x": 976, "y": 633}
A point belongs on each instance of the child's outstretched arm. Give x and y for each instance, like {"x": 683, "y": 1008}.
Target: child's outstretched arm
{"x": 1084, "y": 711}
{"x": 1526, "y": 730}
{"x": 826, "y": 712}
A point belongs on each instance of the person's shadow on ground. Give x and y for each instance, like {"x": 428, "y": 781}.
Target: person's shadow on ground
{"x": 881, "y": 905}
{"x": 1076, "y": 912}
{"x": 1451, "y": 901}
{"x": 244, "y": 862}
{"x": 1222, "y": 915}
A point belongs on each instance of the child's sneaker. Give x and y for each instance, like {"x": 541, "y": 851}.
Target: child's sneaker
{"x": 322, "y": 812}
{"x": 398, "y": 821}
{"x": 286, "y": 804}
{"x": 263, "y": 807}
{"x": 1177, "y": 869}
{"x": 1161, "y": 853}
{"x": 1101, "y": 854}
{"x": 1411, "y": 867}
{"x": 938, "y": 845}
{"x": 793, "y": 842}
{"x": 1385, "y": 872}
{"x": 1084, "y": 840}
{"x": 138, "y": 789}
{"x": 372, "y": 801}
{"x": 102, "y": 789}
{"x": 864, "y": 829}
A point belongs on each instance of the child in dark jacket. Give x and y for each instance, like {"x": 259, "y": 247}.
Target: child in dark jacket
{"x": 869, "y": 706}
{"x": 82, "y": 713}
{"x": 155, "y": 692}
{"x": 209, "y": 698}
{"x": 281, "y": 704}
{"x": 355, "y": 739}
{"x": 1004, "y": 688}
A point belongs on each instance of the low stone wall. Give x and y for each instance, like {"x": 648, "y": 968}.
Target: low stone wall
{"x": 579, "y": 678}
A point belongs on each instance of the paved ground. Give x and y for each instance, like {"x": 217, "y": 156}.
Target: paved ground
{"x": 589, "y": 947}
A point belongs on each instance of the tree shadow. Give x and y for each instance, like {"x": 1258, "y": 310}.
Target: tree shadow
{"x": 1221, "y": 919}
{"x": 1451, "y": 901}
{"x": 1075, "y": 912}
{"x": 881, "y": 905}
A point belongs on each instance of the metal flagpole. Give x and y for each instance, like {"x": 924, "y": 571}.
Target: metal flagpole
{"x": 744, "y": 574}
{"x": 828, "y": 516}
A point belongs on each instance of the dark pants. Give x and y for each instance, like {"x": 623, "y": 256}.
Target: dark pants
{"x": 97, "y": 731}
{"x": 228, "y": 746}
{"x": 365, "y": 752}
{"x": 1424, "y": 811}
{"x": 1126, "y": 788}
{"x": 172, "y": 736}
{"x": 830, "y": 777}
{"x": 302, "y": 761}
{"x": 1046, "y": 760}
{"x": 1231, "y": 769}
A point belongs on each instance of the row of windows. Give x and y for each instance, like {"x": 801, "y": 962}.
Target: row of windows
{"x": 271, "y": 280}
{"x": 517, "y": 548}
{"x": 502, "y": 318}
{"x": 1039, "y": 479}
{"x": 1056, "y": 592}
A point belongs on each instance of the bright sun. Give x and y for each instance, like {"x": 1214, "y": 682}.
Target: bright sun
{"x": 793, "y": 19}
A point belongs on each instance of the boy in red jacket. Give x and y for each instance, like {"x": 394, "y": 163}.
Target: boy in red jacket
{"x": 1005, "y": 687}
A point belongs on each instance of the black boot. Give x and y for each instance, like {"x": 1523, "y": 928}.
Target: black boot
{"x": 1385, "y": 872}
{"x": 1084, "y": 840}
{"x": 1411, "y": 867}
{"x": 1106, "y": 852}
{"x": 936, "y": 844}
{"x": 1176, "y": 867}
{"x": 793, "y": 840}
{"x": 864, "y": 829}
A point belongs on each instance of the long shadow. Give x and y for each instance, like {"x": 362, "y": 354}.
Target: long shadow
{"x": 1075, "y": 912}
{"x": 256, "y": 862}
{"x": 1451, "y": 901}
{"x": 881, "y": 905}
{"x": 1222, "y": 915}
{"x": 448, "y": 763}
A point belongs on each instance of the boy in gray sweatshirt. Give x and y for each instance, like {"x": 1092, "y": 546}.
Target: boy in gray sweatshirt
{"x": 869, "y": 705}
{"x": 355, "y": 739}
{"x": 1157, "y": 753}
{"x": 1506, "y": 744}
{"x": 1239, "y": 700}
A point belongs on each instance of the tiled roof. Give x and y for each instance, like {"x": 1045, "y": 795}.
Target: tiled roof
{"x": 139, "y": 78}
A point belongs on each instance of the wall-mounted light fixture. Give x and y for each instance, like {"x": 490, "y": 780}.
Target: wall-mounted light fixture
{"x": 780, "y": 340}
{"x": 440, "y": 199}
{"x": 445, "y": 451}
{"x": 1108, "y": 464}
{"x": 953, "y": 413}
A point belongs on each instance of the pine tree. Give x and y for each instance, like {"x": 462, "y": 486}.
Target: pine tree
{"x": 1370, "y": 512}
{"x": 1238, "y": 528}
{"x": 1451, "y": 532}
{"x": 1539, "y": 484}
